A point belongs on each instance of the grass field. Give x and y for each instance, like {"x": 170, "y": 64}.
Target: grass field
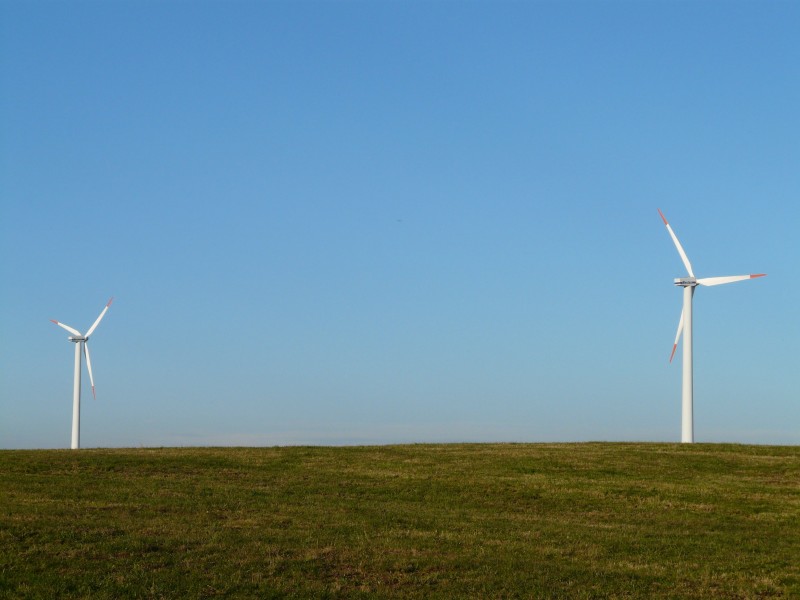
{"x": 420, "y": 521}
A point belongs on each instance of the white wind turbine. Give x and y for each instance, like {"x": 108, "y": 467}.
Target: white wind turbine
{"x": 685, "y": 325}
{"x": 80, "y": 342}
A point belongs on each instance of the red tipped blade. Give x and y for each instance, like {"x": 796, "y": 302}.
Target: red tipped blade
{"x": 677, "y": 336}
{"x": 67, "y": 327}
{"x": 89, "y": 366}
{"x": 678, "y": 246}
{"x": 730, "y": 279}
{"x": 97, "y": 321}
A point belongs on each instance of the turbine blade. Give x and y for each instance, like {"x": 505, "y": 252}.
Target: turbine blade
{"x": 677, "y": 337}
{"x": 731, "y": 279}
{"x": 684, "y": 258}
{"x": 68, "y": 328}
{"x": 89, "y": 367}
{"x": 97, "y": 322}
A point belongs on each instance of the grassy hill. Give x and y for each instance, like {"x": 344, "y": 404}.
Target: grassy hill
{"x": 421, "y": 521}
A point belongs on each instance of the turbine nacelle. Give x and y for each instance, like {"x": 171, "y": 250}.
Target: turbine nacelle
{"x": 77, "y": 339}
{"x": 686, "y": 281}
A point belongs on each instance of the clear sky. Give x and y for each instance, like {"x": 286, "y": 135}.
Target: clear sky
{"x": 380, "y": 222}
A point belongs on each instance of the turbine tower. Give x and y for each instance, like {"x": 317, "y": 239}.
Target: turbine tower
{"x": 80, "y": 342}
{"x": 685, "y": 326}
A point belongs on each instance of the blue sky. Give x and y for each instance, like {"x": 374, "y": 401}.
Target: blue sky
{"x": 351, "y": 222}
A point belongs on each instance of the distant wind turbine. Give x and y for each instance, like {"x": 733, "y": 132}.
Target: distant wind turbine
{"x": 685, "y": 326}
{"x": 80, "y": 342}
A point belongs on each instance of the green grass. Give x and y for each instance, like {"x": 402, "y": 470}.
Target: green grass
{"x": 421, "y": 521}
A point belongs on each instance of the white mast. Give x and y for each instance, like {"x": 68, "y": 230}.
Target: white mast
{"x": 76, "y": 400}
{"x": 687, "y": 410}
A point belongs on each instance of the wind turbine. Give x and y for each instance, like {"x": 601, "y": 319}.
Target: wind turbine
{"x": 685, "y": 326}
{"x": 80, "y": 342}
